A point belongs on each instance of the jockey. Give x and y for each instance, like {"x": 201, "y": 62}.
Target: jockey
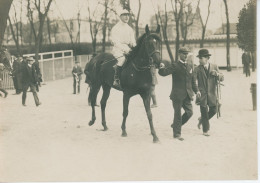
{"x": 122, "y": 38}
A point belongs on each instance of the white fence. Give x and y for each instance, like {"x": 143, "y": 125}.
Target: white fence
{"x": 53, "y": 65}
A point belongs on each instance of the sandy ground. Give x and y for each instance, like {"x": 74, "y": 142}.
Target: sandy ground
{"x": 53, "y": 142}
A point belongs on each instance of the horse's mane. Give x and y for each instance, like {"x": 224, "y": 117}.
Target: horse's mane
{"x": 135, "y": 49}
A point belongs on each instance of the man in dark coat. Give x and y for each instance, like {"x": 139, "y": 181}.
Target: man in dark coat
{"x": 76, "y": 72}
{"x": 246, "y": 60}
{"x": 207, "y": 76}
{"x": 183, "y": 86}
{"x": 29, "y": 79}
{"x": 17, "y": 75}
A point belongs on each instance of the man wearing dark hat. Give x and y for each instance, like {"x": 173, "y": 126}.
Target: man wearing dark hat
{"x": 29, "y": 79}
{"x": 76, "y": 72}
{"x": 183, "y": 86}
{"x": 206, "y": 76}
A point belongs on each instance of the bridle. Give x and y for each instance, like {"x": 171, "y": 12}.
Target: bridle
{"x": 150, "y": 55}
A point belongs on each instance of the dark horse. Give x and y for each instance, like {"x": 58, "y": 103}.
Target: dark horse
{"x": 136, "y": 76}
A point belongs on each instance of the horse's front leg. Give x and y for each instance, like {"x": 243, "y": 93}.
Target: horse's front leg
{"x": 126, "y": 99}
{"x": 93, "y": 94}
{"x": 146, "y": 99}
{"x": 106, "y": 92}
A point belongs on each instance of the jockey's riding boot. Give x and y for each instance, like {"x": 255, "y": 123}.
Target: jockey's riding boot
{"x": 154, "y": 101}
{"x": 116, "y": 76}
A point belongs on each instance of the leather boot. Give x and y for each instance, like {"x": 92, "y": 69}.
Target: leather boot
{"x": 116, "y": 76}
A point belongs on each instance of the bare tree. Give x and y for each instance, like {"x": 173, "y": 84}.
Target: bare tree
{"x": 4, "y": 11}
{"x": 104, "y": 29}
{"x": 228, "y": 37}
{"x": 204, "y": 25}
{"x": 164, "y": 24}
{"x": 15, "y": 26}
{"x": 94, "y": 25}
{"x": 69, "y": 25}
{"x": 42, "y": 12}
{"x": 187, "y": 20}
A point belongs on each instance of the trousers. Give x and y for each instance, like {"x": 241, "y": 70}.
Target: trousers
{"x": 206, "y": 114}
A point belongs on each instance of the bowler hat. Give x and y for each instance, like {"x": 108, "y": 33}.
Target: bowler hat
{"x": 203, "y": 53}
{"x": 184, "y": 50}
{"x": 29, "y": 59}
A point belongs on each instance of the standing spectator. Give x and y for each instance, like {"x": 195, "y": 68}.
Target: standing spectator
{"x": 154, "y": 82}
{"x": 206, "y": 76}
{"x": 76, "y": 72}
{"x": 246, "y": 61}
{"x": 17, "y": 75}
{"x": 183, "y": 85}
{"x": 38, "y": 75}
{"x": 29, "y": 79}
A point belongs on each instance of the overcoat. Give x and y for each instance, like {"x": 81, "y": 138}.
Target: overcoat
{"x": 207, "y": 84}
{"x": 183, "y": 82}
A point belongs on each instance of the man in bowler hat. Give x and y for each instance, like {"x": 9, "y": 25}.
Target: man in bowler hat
{"x": 29, "y": 79}
{"x": 183, "y": 86}
{"x": 206, "y": 75}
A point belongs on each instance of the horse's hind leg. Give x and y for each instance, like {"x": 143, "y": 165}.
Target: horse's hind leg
{"x": 146, "y": 99}
{"x": 126, "y": 99}
{"x": 103, "y": 103}
{"x": 93, "y": 94}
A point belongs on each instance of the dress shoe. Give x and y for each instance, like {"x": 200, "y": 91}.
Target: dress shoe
{"x": 153, "y": 105}
{"x": 206, "y": 134}
{"x": 178, "y": 137}
{"x": 24, "y": 105}
{"x": 38, "y": 104}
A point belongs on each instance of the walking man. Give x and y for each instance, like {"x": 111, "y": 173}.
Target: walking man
{"x": 183, "y": 86}
{"x": 29, "y": 79}
{"x": 123, "y": 38}
{"x": 76, "y": 72}
{"x": 207, "y": 75}
{"x": 17, "y": 74}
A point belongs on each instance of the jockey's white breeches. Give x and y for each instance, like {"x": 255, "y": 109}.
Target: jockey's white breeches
{"x": 120, "y": 57}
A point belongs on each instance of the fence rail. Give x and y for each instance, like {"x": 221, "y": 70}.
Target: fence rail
{"x": 53, "y": 65}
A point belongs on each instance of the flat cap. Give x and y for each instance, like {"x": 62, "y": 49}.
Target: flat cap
{"x": 184, "y": 50}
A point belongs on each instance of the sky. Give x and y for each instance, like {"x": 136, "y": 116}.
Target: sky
{"x": 69, "y": 9}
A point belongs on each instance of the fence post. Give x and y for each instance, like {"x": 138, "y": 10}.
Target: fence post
{"x": 53, "y": 67}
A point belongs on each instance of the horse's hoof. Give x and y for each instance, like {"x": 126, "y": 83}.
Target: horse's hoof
{"x": 124, "y": 134}
{"x": 91, "y": 123}
{"x": 155, "y": 140}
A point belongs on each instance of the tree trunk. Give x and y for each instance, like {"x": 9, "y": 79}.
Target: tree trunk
{"x": 105, "y": 28}
{"x": 177, "y": 41}
{"x": 228, "y": 37}
{"x": 4, "y": 11}
{"x": 202, "y": 37}
{"x": 16, "y": 40}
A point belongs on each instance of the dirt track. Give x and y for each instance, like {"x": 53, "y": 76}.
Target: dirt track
{"x": 53, "y": 142}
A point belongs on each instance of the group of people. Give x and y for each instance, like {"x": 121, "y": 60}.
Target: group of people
{"x": 26, "y": 74}
{"x": 186, "y": 81}
{"x": 202, "y": 81}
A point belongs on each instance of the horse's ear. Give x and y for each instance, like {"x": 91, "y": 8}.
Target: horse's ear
{"x": 147, "y": 29}
{"x": 158, "y": 28}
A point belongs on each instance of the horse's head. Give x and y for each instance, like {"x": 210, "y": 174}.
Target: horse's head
{"x": 6, "y": 60}
{"x": 153, "y": 45}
